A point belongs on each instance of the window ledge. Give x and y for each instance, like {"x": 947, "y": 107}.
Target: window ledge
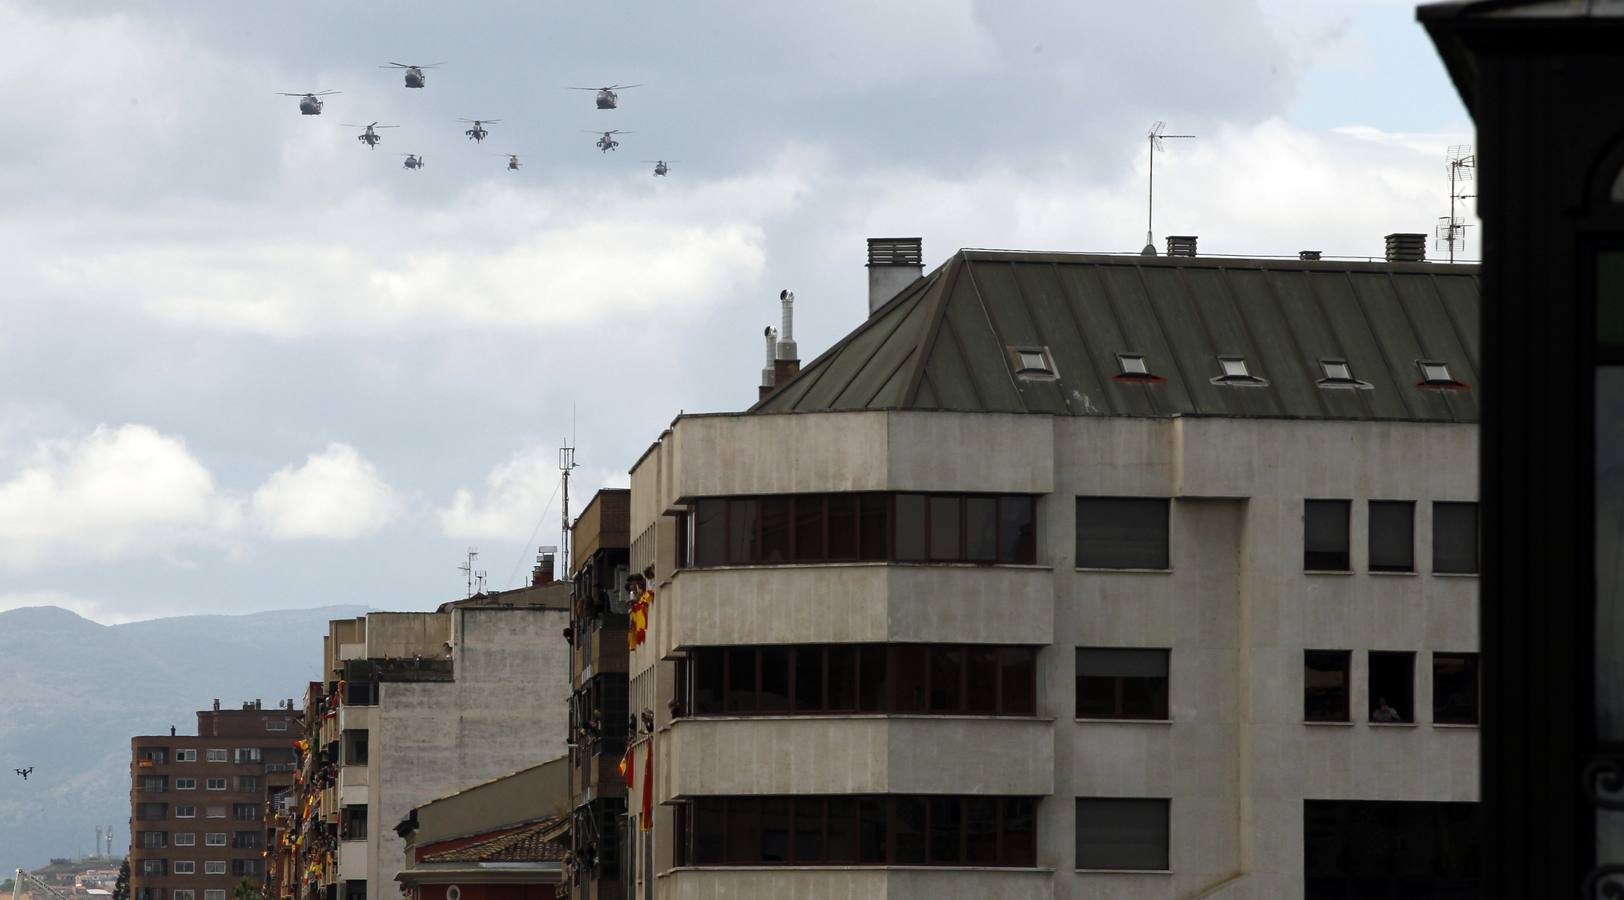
{"x": 1123, "y": 571}
{"x": 1409, "y": 573}
{"x": 1082, "y": 720}
{"x": 1393, "y": 724}
{"x": 1456, "y": 574}
{"x": 1327, "y": 571}
{"x": 1471, "y": 725}
{"x": 1123, "y": 871}
{"x": 1348, "y": 724}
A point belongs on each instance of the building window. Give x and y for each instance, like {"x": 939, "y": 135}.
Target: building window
{"x": 824, "y": 528}
{"x": 150, "y": 893}
{"x": 219, "y": 756}
{"x": 1325, "y": 535}
{"x": 151, "y": 756}
{"x": 157, "y": 867}
{"x": 1119, "y": 683}
{"x": 1122, "y": 833}
{"x": 185, "y": 756}
{"x": 1122, "y": 532}
{"x": 185, "y": 867}
{"x": 184, "y": 894}
{"x": 246, "y": 812}
{"x": 246, "y": 840}
{"x": 186, "y": 784}
{"x": 276, "y": 724}
{"x": 215, "y": 784}
{"x": 1392, "y": 687}
{"x": 815, "y": 679}
{"x": 868, "y": 830}
{"x": 214, "y": 839}
{"x": 154, "y": 784}
{"x": 154, "y": 840}
{"x": 244, "y": 867}
{"x": 185, "y": 811}
{"x": 214, "y": 867}
{"x": 214, "y": 894}
{"x": 185, "y": 839}
{"x": 1454, "y": 538}
{"x": 355, "y": 747}
{"x": 1385, "y": 848}
{"x": 1392, "y": 536}
{"x": 247, "y": 783}
{"x": 1325, "y": 685}
{"x": 247, "y": 754}
{"x": 1454, "y": 688}
{"x": 214, "y": 812}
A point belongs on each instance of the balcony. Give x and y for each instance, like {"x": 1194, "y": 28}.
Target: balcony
{"x": 860, "y": 755}
{"x": 856, "y": 883}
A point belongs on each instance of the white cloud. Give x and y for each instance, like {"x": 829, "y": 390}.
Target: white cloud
{"x": 336, "y": 494}
{"x": 517, "y": 494}
{"x": 113, "y": 493}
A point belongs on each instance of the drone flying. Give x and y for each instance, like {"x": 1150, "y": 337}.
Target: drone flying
{"x": 414, "y": 74}
{"x": 310, "y": 102}
{"x": 607, "y": 98}
{"x": 413, "y": 161}
{"x": 606, "y": 141}
{"x": 478, "y": 132}
{"x": 660, "y": 166}
{"x": 369, "y": 136}
{"x": 24, "y": 772}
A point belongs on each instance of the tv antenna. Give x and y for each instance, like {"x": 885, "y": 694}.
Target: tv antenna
{"x": 1155, "y": 138}
{"x": 470, "y": 573}
{"x": 566, "y": 464}
{"x": 1452, "y": 230}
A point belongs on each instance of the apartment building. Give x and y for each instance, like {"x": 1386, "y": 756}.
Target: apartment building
{"x": 602, "y": 586}
{"x": 414, "y": 706}
{"x": 1071, "y": 575}
{"x": 197, "y": 802}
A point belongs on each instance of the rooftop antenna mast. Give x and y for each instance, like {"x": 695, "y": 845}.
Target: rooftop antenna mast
{"x": 1155, "y": 137}
{"x": 467, "y": 569}
{"x": 1453, "y": 229}
{"x": 566, "y": 464}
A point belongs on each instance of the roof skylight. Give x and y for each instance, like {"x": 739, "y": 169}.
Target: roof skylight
{"x": 1033, "y": 362}
{"x": 1339, "y": 376}
{"x": 1435, "y": 376}
{"x": 1133, "y": 367}
{"x": 1235, "y": 373}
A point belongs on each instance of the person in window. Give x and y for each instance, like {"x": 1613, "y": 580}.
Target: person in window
{"x": 1384, "y": 713}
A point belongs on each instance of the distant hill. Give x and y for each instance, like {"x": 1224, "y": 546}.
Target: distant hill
{"x": 73, "y": 692}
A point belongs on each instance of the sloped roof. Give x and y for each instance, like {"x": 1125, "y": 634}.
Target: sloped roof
{"x": 536, "y": 842}
{"x": 945, "y": 341}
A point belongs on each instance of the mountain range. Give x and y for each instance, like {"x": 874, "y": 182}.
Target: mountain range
{"x": 73, "y": 692}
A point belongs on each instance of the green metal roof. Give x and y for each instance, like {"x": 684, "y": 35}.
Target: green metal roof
{"x": 946, "y": 341}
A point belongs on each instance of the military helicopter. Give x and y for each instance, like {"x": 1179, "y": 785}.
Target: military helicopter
{"x": 513, "y": 161}
{"x": 607, "y": 98}
{"x": 660, "y": 166}
{"x": 370, "y": 137}
{"x": 309, "y": 103}
{"x": 606, "y": 139}
{"x": 478, "y": 132}
{"x": 414, "y": 74}
{"x": 413, "y": 161}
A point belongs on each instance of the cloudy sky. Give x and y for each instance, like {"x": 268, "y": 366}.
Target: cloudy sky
{"x": 247, "y": 363}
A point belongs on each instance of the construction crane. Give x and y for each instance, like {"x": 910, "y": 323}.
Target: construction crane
{"x": 17, "y": 886}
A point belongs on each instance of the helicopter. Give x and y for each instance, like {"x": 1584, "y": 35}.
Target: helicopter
{"x": 513, "y": 161}
{"x": 607, "y": 98}
{"x": 606, "y": 139}
{"x": 660, "y": 166}
{"x": 478, "y": 132}
{"x": 24, "y": 772}
{"x": 310, "y": 102}
{"x": 414, "y": 74}
{"x": 413, "y": 161}
{"x": 370, "y": 137}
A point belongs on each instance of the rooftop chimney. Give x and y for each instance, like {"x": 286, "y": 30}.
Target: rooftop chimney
{"x": 787, "y": 363}
{"x": 1406, "y": 247}
{"x": 1181, "y": 245}
{"x": 543, "y": 572}
{"x": 893, "y": 264}
{"x": 771, "y": 334}
{"x": 1309, "y": 255}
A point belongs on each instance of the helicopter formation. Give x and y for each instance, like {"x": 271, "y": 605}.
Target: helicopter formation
{"x": 415, "y": 77}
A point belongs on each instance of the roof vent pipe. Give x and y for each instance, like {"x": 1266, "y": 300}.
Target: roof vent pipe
{"x": 771, "y": 334}
{"x": 1181, "y": 245}
{"x": 786, "y": 342}
{"x": 893, "y": 264}
{"x": 1406, "y": 248}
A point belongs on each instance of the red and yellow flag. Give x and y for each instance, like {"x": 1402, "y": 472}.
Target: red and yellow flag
{"x": 626, "y": 766}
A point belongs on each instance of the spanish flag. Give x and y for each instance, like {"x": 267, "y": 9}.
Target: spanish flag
{"x": 647, "y": 823}
{"x": 626, "y": 766}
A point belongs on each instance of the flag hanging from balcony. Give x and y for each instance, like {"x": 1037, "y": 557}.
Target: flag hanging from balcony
{"x": 626, "y": 770}
{"x": 647, "y": 823}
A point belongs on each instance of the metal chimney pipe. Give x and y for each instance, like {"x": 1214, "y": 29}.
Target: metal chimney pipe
{"x": 786, "y": 342}
{"x": 771, "y": 334}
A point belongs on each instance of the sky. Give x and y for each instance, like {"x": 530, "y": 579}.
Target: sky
{"x": 247, "y": 363}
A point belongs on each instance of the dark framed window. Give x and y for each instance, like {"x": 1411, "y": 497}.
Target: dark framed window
{"x": 834, "y": 679}
{"x": 1392, "y": 536}
{"x": 1455, "y": 689}
{"x": 1455, "y": 538}
{"x": 1326, "y": 685}
{"x": 1325, "y": 535}
{"x": 1121, "y": 683}
{"x": 1123, "y": 833}
{"x": 1122, "y": 532}
{"x": 903, "y": 830}
{"x": 1392, "y": 686}
{"x": 872, "y": 527}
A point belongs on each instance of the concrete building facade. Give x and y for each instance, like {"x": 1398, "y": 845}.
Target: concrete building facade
{"x": 1076, "y": 576}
